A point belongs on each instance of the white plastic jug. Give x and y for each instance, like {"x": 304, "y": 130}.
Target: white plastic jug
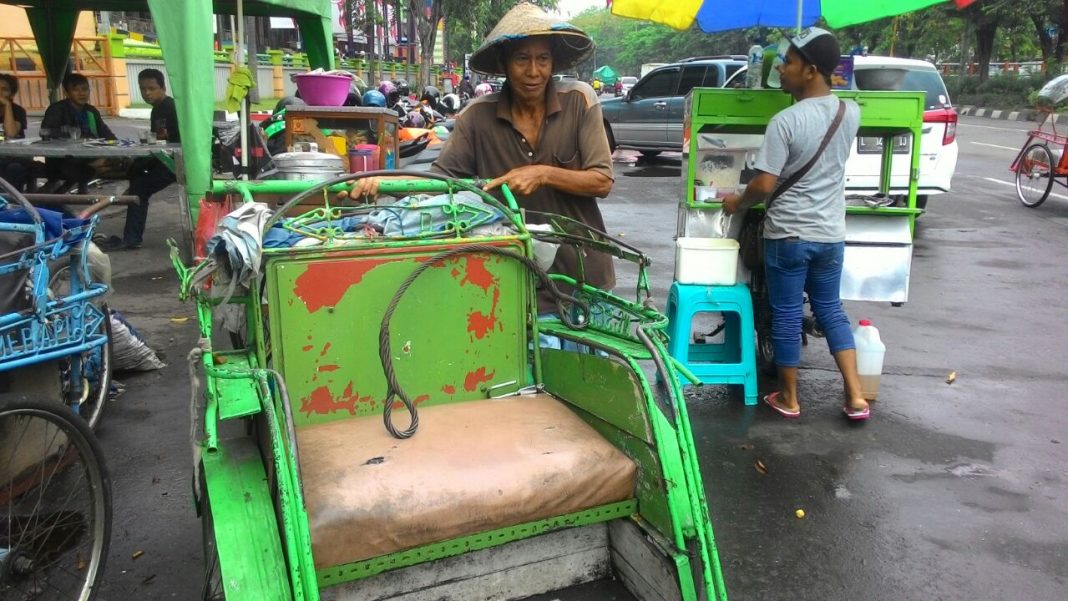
{"x": 870, "y": 353}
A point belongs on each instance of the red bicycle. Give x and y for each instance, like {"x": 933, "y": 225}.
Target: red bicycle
{"x": 1040, "y": 162}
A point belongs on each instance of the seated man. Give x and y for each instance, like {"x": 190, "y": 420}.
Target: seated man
{"x": 13, "y": 119}
{"x": 62, "y": 119}
{"x": 148, "y": 175}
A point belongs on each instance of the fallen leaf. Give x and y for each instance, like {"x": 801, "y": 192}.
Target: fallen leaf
{"x": 148, "y": 579}
{"x": 800, "y": 513}
{"x": 760, "y": 467}
{"x": 80, "y": 563}
{"x": 951, "y": 378}
{"x": 137, "y": 554}
{"x": 179, "y": 320}
{"x": 745, "y": 447}
{"x": 155, "y": 479}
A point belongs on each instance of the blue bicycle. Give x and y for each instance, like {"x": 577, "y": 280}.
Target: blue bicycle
{"x": 55, "y": 494}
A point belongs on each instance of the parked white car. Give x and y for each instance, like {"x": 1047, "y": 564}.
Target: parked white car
{"x": 938, "y": 145}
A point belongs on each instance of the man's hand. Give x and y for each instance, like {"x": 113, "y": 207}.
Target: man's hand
{"x": 732, "y": 203}
{"x": 364, "y": 189}
{"x": 522, "y": 180}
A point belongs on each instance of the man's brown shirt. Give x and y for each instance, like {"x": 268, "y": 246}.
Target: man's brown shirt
{"x": 485, "y": 144}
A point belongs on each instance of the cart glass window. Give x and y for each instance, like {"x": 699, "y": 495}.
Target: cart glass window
{"x": 905, "y": 79}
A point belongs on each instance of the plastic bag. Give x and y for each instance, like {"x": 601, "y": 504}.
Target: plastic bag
{"x": 128, "y": 349}
{"x": 211, "y": 213}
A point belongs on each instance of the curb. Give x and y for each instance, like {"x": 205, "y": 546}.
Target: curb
{"x": 1023, "y": 115}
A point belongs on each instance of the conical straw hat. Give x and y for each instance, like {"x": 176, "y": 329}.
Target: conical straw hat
{"x": 571, "y": 45}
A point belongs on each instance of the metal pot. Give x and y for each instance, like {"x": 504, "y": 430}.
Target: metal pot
{"x": 307, "y": 166}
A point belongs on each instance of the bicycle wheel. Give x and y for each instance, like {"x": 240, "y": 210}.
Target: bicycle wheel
{"x": 55, "y": 503}
{"x": 765, "y": 350}
{"x": 96, "y": 363}
{"x": 1034, "y": 175}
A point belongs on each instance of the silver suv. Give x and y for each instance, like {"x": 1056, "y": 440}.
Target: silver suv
{"x": 649, "y": 117}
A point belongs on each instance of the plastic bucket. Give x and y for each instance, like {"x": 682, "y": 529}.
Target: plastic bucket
{"x": 321, "y": 89}
{"x": 364, "y": 157}
{"x": 706, "y": 261}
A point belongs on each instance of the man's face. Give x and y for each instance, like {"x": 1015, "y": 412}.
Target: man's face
{"x": 529, "y": 67}
{"x": 79, "y": 93}
{"x": 5, "y": 90}
{"x": 151, "y": 91}
{"x": 795, "y": 72}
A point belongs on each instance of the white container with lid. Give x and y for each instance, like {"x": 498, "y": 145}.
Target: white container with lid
{"x": 706, "y": 261}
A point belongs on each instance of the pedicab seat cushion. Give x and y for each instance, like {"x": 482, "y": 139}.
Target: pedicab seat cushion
{"x": 472, "y": 467}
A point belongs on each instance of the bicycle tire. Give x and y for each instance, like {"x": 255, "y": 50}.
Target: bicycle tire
{"x": 1029, "y": 169}
{"x": 92, "y": 409}
{"x": 765, "y": 349}
{"x": 40, "y": 540}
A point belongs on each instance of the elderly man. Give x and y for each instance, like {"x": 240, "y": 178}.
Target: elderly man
{"x": 544, "y": 139}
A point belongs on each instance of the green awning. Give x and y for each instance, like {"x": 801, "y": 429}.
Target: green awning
{"x": 606, "y": 74}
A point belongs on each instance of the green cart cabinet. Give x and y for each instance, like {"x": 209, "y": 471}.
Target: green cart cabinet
{"x": 724, "y": 129}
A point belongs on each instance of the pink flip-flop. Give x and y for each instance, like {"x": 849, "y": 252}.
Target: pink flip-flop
{"x": 857, "y": 415}
{"x": 769, "y": 400}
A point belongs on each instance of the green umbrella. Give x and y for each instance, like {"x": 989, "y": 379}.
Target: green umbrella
{"x": 723, "y": 15}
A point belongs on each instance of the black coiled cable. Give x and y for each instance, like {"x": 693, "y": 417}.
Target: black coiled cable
{"x": 384, "y": 347}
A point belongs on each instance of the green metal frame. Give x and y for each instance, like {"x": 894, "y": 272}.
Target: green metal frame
{"x": 670, "y": 504}
{"x": 483, "y": 540}
{"x": 688, "y": 506}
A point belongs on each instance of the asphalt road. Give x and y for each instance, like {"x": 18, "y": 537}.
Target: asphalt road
{"x": 952, "y": 492}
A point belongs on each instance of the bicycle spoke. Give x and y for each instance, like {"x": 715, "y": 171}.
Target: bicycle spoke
{"x": 58, "y": 505}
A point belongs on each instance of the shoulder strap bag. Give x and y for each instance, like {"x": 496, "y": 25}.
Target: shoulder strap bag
{"x": 751, "y": 238}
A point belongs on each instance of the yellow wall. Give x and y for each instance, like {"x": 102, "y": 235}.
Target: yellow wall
{"x": 14, "y": 24}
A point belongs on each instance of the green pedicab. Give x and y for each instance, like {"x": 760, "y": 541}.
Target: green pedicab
{"x": 523, "y": 470}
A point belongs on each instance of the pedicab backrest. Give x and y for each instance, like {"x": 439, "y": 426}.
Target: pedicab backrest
{"x": 458, "y": 334}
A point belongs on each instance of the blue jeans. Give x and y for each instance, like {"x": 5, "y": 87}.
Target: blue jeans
{"x": 794, "y": 267}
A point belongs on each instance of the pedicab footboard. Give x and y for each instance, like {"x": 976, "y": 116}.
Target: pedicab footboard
{"x": 242, "y": 522}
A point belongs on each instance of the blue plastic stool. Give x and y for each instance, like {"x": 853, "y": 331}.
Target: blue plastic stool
{"x": 734, "y": 360}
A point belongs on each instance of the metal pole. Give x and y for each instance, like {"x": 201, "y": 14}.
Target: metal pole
{"x": 800, "y": 14}
{"x": 243, "y": 114}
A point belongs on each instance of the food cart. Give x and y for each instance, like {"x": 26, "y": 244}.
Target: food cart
{"x": 725, "y": 128}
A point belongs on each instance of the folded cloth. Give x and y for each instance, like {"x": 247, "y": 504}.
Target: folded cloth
{"x": 237, "y": 248}
{"x": 237, "y": 87}
{"x": 410, "y": 216}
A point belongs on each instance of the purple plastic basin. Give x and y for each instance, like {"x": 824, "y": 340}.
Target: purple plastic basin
{"x": 320, "y": 89}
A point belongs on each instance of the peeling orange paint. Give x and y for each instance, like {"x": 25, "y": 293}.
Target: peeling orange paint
{"x": 307, "y": 348}
{"x": 323, "y": 284}
{"x": 321, "y": 402}
{"x": 329, "y": 367}
{"x": 325, "y": 349}
{"x": 416, "y": 401}
{"x": 474, "y": 378}
{"x": 479, "y": 323}
{"x": 448, "y": 389}
{"x": 477, "y": 274}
